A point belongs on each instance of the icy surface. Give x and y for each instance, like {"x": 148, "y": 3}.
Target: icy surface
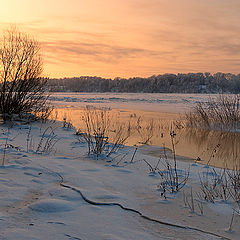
{"x": 141, "y": 101}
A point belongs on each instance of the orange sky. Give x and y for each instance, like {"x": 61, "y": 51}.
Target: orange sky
{"x": 126, "y": 38}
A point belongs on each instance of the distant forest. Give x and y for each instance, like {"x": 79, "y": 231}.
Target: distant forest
{"x": 166, "y": 83}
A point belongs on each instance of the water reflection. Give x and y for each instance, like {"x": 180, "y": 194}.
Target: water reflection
{"x": 216, "y": 147}
{"x": 220, "y": 149}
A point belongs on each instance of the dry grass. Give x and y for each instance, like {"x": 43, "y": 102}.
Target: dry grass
{"x": 222, "y": 112}
{"x": 145, "y": 131}
{"x": 101, "y": 134}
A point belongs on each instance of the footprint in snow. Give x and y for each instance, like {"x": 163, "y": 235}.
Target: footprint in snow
{"x": 51, "y": 206}
{"x": 90, "y": 170}
{"x": 123, "y": 170}
{"x": 106, "y": 197}
{"x": 57, "y": 223}
{"x": 62, "y": 157}
{"x": 72, "y": 238}
{"x": 30, "y": 174}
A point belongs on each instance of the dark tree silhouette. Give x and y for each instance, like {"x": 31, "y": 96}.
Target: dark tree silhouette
{"x": 22, "y": 89}
{"x": 166, "y": 83}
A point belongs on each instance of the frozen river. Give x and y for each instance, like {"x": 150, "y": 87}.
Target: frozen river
{"x": 214, "y": 147}
{"x": 157, "y": 102}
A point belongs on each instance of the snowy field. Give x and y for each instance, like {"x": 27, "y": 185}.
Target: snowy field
{"x": 51, "y": 189}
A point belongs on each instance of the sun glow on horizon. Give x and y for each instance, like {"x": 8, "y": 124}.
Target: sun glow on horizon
{"x": 130, "y": 38}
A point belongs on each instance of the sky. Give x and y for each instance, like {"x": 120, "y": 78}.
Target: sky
{"x": 127, "y": 38}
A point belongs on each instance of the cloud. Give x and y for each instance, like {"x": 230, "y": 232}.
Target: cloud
{"x": 75, "y": 50}
{"x": 140, "y": 36}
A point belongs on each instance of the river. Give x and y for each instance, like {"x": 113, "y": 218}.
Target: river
{"x": 159, "y": 114}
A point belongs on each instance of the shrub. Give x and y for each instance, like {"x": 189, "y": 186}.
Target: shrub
{"x": 22, "y": 89}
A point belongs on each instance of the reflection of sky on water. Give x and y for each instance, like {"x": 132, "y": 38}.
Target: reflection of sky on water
{"x": 220, "y": 149}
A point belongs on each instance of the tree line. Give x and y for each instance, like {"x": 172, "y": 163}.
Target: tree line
{"x": 166, "y": 83}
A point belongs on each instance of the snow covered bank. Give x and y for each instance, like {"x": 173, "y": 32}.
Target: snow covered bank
{"x": 33, "y": 204}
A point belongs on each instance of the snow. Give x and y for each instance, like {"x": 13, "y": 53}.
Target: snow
{"x": 140, "y": 101}
{"x": 34, "y": 205}
{"x": 51, "y": 206}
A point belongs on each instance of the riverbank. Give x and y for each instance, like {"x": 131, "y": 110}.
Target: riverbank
{"x": 34, "y": 204}
{"x": 215, "y": 148}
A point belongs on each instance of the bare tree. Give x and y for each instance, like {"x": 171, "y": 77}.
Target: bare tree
{"x": 22, "y": 89}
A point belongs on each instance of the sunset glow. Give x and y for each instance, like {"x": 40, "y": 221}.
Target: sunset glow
{"x": 128, "y": 38}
